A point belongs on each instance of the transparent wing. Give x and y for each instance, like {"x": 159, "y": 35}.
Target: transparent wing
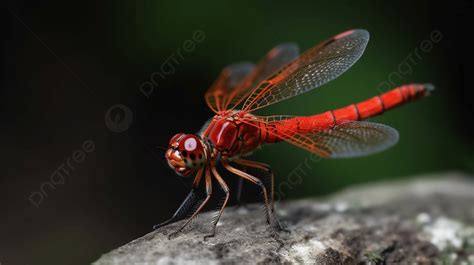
{"x": 236, "y": 81}
{"x": 312, "y": 69}
{"x": 348, "y": 139}
{"x": 354, "y": 139}
{"x": 273, "y": 61}
{"x": 229, "y": 79}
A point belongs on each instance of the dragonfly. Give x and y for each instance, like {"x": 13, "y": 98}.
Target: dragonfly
{"x": 234, "y": 132}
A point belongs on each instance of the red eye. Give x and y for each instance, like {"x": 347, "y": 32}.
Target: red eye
{"x": 175, "y": 139}
{"x": 190, "y": 146}
{"x": 189, "y": 143}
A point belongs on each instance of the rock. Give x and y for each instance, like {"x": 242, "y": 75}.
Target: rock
{"x": 427, "y": 220}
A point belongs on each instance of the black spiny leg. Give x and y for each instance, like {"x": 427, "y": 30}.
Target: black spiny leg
{"x": 186, "y": 205}
{"x": 238, "y": 192}
{"x": 201, "y": 205}
{"x": 183, "y": 209}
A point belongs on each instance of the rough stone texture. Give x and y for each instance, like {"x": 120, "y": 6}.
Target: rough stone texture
{"x": 427, "y": 220}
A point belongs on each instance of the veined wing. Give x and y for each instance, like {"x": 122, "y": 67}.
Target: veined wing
{"x": 273, "y": 61}
{"x": 236, "y": 81}
{"x": 347, "y": 139}
{"x": 312, "y": 69}
{"x": 230, "y": 77}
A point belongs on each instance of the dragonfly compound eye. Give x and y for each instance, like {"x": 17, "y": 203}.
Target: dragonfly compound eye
{"x": 192, "y": 150}
{"x": 175, "y": 140}
{"x": 185, "y": 154}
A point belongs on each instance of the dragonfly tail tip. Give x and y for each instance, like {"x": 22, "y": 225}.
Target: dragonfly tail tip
{"x": 429, "y": 88}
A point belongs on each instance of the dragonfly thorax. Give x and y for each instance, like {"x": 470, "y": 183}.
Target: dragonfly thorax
{"x": 231, "y": 134}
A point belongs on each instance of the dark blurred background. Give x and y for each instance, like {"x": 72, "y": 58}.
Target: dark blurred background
{"x": 66, "y": 65}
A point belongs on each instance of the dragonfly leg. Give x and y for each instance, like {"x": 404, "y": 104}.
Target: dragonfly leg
{"x": 186, "y": 205}
{"x": 267, "y": 169}
{"x": 238, "y": 193}
{"x": 208, "y": 196}
{"x": 225, "y": 188}
{"x": 252, "y": 179}
{"x": 182, "y": 209}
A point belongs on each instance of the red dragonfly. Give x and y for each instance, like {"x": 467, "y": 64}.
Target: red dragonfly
{"x": 234, "y": 132}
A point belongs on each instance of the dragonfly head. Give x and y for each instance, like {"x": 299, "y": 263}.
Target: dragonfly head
{"x": 185, "y": 153}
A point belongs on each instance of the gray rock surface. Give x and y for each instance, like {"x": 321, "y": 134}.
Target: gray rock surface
{"x": 425, "y": 220}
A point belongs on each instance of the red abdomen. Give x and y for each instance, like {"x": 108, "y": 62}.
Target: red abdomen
{"x": 360, "y": 111}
